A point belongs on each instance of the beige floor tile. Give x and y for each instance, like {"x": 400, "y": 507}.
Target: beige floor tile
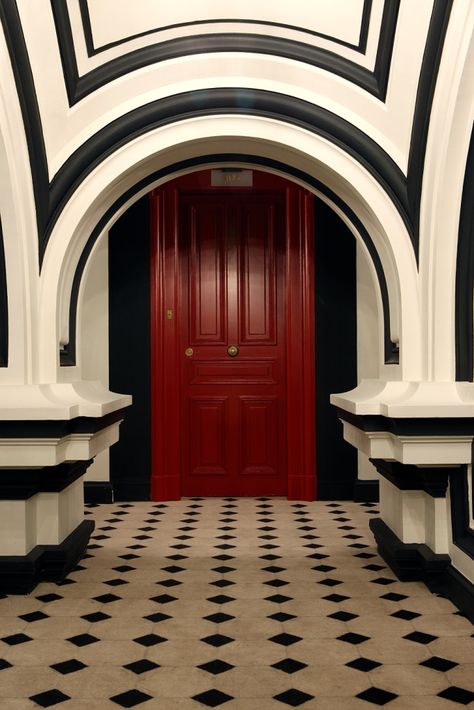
{"x": 331, "y": 680}
{"x": 15, "y": 683}
{"x": 92, "y": 683}
{"x": 175, "y": 682}
{"x": 457, "y": 649}
{"x": 463, "y": 675}
{"x": 444, "y": 625}
{"x": 254, "y": 682}
{"x": 408, "y": 679}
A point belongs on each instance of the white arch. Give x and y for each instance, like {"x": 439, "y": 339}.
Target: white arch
{"x": 253, "y": 135}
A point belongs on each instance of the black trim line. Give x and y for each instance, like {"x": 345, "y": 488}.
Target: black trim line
{"x": 403, "y": 426}
{"x": 423, "y": 104}
{"x": 415, "y": 561}
{"x": 92, "y": 50}
{"x": 52, "y": 428}
{"x": 19, "y": 574}
{"x": 465, "y": 275}
{"x": 407, "y": 477}
{"x": 68, "y": 354}
{"x": 4, "y": 325}
{"x": 98, "y": 492}
{"x": 21, "y": 484}
{"x": 463, "y": 535}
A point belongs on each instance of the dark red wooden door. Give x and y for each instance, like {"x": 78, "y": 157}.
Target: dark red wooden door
{"x": 232, "y": 267}
{"x": 233, "y": 345}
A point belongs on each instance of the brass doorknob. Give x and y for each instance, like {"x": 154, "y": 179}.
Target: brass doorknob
{"x": 232, "y": 350}
{"x": 189, "y": 352}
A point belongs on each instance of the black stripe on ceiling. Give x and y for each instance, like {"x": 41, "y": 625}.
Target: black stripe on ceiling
{"x": 465, "y": 276}
{"x": 92, "y": 49}
{"x": 424, "y": 101}
{"x": 227, "y": 101}
{"x": 68, "y": 355}
{"x": 77, "y": 87}
{"x": 29, "y": 108}
{"x": 4, "y": 328}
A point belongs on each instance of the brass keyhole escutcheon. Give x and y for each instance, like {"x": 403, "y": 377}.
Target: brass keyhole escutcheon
{"x": 189, "y": 352}
{"x": 232, "y": 350}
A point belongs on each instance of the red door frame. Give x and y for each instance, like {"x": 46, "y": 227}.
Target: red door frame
{"x": 165, "y": 334}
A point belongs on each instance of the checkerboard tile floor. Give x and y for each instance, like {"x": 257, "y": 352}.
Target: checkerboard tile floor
{"x": 234, "y": 603}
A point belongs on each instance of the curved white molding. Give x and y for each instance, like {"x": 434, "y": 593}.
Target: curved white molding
{"x": 245, "y": 134}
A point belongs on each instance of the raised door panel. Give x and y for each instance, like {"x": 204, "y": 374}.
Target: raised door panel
{"x": 259, "y": 450}
{"x": 207, "y": 291}
{"x": 207, "y": 436}
{"x": 257, "y": 277}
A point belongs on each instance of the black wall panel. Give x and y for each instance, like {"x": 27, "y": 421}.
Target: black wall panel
{"x": 129, "y": 343}
{"x": 336, "y": 349}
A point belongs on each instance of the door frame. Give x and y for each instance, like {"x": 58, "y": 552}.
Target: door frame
{"x": 165, "y": 333}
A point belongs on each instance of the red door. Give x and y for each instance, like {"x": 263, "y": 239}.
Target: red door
{"x": 233, "y": 381}
{"x": 232, "y": 339}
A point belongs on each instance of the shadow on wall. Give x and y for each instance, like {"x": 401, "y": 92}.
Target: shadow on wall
{"x": 129, "y": 347}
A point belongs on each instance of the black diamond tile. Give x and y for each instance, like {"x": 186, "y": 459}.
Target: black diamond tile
{"x": 123, "y": 568}
{"x": 383, "y": 580}
{"x": 353, "y": 638}
{"x": 289, "y": 665}
{"x": 141, "y": 666}
{"x": 317, "y": 556}
{"x": 163, "y": 599}
{"x": 223, "y": 558}
{"x": 223, "y": 569}
{"x": 212, "y": 698}
{"x": 129, "y": 556}
{"x": 270, "y": 557}
{"x": 220, "y": 599}
{"x": 150, "y": 640}
{"x": 457, "y": 695}
{"x": 439, "y": 664}
{"x": 34, "y": 616}
{"x": 49, "y": 698}
{"x": 364, "y": 555}
{"x": 394, "y": 597}
{"x": 16, "y": 639}
{"x": 100, "y": 537}
{"x": 405, "y": 614}
{"x": 222, "y": 583}
{"x": 130, "y": 698}
{"x": 281, "y": 616}
{"x": 216, "y": 667}
{"x": 329, "y": 582}
{"x": 268, "y": 546}
{"x": 70, "y": 666}
{"x": 107, "y": 598}
{"x": 96, "y": 616}
{"x": 278, "y": 599}
{"x": 219, "y": 618}
{"x": 323, "y": 568}
{"x": 420, "y": 637}
{"x": 135, "y": 547}
{"x": 358, "y": 545}
{"x": 377, "y": 696}
{"x": 82, "y": 639}
{"x": 169, "y": 582}
{"x": 363, "y": 664}
{"x": 337, "y": 598}
{"x": 273, "y": 569}
{"x": 285, "y": 639}
{"x": 343, "y": 616}
{"x": 373, "y": 568}
{"x": 142, "y": 537}
{"x": 276, "y": 583}
{"x": 176, "y": 557}
{"x": 4, "y": 664}
{"x": 173, "y": 569}
{"x": 49, "y": 597}
{"x": 293, "y": 697}
{"x": 217, "y": 640}
{"x": 115, "y": 582}
{"x": 156, "y": 618}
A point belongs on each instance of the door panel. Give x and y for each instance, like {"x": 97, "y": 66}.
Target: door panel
{"x": 231, "y": 252}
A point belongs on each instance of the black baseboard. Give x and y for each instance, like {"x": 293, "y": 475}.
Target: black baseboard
{"x": 98, "y": 492}
{"x": 366, "y": 491}
{"x": 418, "y": 562}
{"x": 335, "y": 490}
{"x": 20, "y": 574}
{"x": 131, "y": 490}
